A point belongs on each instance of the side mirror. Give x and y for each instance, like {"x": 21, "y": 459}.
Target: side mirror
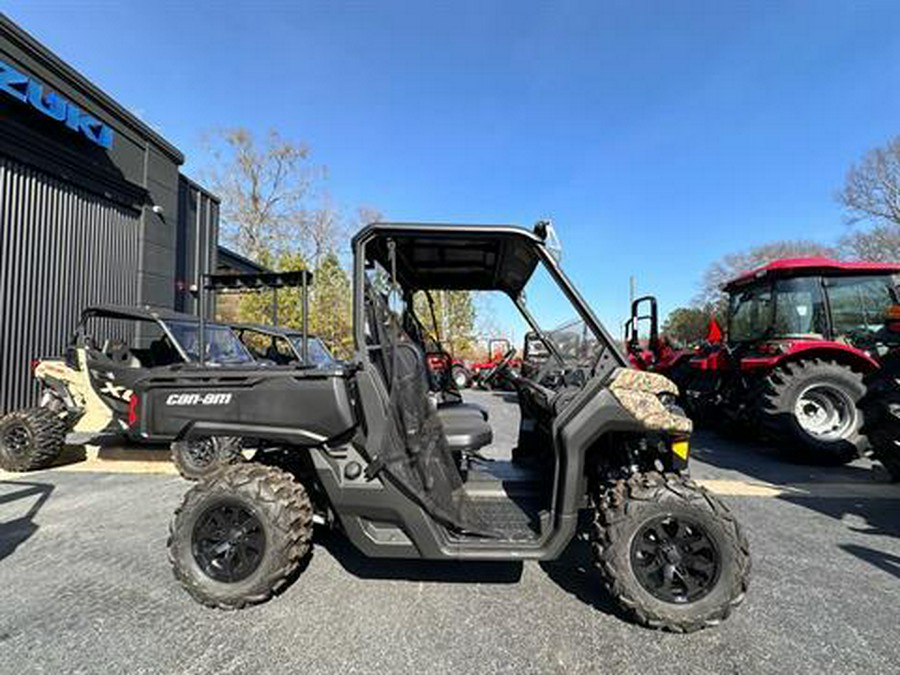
{"x": 632, "y": 331}
{"x": 545, "y": 230}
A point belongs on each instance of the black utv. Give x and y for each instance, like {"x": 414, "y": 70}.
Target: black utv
{"x": 366, "y": 447}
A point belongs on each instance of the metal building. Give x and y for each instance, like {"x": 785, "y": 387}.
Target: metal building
{"x": 92, "y": 210}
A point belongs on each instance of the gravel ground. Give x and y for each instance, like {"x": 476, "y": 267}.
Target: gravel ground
{"x": 88, "y": 590}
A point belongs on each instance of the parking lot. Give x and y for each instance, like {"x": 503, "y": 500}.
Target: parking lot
{"x": 87, "y": 587}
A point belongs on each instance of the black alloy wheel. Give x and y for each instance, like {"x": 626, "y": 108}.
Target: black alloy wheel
{"x": 17, "y": 440}
{"x": 675, "y": 559}
{"x": 228, "y": 542}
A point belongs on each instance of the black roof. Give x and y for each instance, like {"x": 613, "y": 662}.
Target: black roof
{"x": 454, "y": 257}
{"x": 140, "y": 313}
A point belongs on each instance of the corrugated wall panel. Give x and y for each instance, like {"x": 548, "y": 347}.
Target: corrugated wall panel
{"x": 61, "y": 249}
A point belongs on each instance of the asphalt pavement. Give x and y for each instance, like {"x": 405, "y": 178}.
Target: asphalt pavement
{"x": 87, "y": 588}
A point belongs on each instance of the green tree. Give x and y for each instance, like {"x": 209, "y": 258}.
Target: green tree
{"x": 454, "y": 312}
{"x": 331, "y": 306}
{"x": 687, "y": 325}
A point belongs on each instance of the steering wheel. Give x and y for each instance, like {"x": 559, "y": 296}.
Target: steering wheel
{"x": 501, "y": 365}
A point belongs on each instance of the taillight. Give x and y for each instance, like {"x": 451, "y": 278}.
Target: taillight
{"x": 34, "y": 364}
{"x": 133, "y": 404}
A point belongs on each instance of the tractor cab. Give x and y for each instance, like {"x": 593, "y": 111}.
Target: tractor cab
{"x": 793, "y": 305}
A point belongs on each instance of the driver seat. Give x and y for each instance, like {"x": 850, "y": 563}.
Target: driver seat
{"x": 465, "y": 427}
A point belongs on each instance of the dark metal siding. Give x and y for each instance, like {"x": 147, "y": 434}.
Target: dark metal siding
{"x": 198, "y": 232}
{"x": 61, "y": 249}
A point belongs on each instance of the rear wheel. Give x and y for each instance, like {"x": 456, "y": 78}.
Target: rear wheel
{"x": 881, "y": 408}
{"x": 810, "y": 409}
{"x": 670, "y": 553}
{"x": 240, "y": 536}
{"x": 202, "y": 457}
{"x": 460, "y": 377}
{"x": 30, "y": 439}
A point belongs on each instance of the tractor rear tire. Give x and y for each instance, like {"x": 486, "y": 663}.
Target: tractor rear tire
{"x": 809, "y": 409}
{"x": 239, "y": 537}
{"x": 671, "y": 555}
{"x": 202, "y": 457}
{"x": 881, "y": 408}
{"x": 30, "y": 439}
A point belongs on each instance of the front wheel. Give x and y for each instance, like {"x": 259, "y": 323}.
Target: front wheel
{"x": 240, "y": 536}
{"x": 671, "y": 554}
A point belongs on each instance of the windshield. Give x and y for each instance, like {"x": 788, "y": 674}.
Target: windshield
{"x": 222, "y": 345}
{"x": 548, "y": 304}
{"x": 783, "y": 309}
{"x": 318, "y": 353}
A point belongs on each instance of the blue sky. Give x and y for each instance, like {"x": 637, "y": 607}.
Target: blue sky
{"x": 657, "y": 135}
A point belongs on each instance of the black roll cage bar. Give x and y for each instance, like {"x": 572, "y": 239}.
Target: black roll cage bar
{"x": 536, "y": 238}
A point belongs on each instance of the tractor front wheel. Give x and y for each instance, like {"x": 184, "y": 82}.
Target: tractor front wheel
{"x": 809, "y": 408}
{"x": 30, "y": 439}
{"x": 671, "y": 554}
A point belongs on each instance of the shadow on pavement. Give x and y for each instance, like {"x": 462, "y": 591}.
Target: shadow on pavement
{"x": 888, "y": 562}
{"x": 881, "y": 516}
{"x": 574, "y": 572}
{"x": 359, "y": 565}
{"x": 15, "y": 532}
{"x": 769, "y": 464}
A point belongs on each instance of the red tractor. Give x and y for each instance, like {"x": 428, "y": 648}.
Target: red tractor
{"x": 802, "y": 334}
{"x": 493, "y": 372}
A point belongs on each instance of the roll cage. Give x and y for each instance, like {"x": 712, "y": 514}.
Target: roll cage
{"x": 426, "y": 256}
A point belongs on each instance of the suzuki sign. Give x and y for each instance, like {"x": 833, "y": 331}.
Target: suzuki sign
{"x": 30, "y": 91}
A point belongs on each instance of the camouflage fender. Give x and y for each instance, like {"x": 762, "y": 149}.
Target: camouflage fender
{"x": 638, "y": 391}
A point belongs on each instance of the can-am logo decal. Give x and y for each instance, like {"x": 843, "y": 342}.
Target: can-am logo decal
{"x": 198, "y": 399}
{"x": 31, "y": 91}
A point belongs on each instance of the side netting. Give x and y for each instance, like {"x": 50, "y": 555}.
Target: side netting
{"x": 414, "y": 452}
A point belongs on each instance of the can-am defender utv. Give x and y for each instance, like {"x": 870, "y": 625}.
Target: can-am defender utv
{"x": 86, "y": 395}
{"x": 366, "y": 448}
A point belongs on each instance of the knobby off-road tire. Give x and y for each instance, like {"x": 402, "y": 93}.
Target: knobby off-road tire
{"x": 30, "y": 439}
{"x": 201, "y": 458}
{"x": 240, "y": 536}
{"x": 881, "y": 409}
{"x": 809, "y": 409}
{"x": 626, "y": 517}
